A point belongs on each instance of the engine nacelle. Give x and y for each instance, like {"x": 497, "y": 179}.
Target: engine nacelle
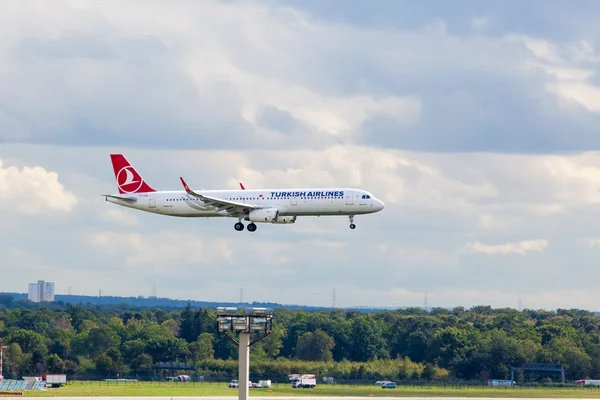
{"x": 268, "y": 215}
{"x": 263, "y": 215}
{"x": 285, "y": 220}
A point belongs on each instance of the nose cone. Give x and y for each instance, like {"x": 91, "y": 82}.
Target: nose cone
{"x": 380, "y": 206}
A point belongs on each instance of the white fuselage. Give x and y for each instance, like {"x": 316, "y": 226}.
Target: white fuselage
{"x": 289, "y": 202}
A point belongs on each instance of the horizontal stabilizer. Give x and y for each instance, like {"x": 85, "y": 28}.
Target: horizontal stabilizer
{"x": 127, "y": 199}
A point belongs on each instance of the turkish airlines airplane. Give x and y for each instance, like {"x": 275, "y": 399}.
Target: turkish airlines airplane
{"x": 276, "y": 206}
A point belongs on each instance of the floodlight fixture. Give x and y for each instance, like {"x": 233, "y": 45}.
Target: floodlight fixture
{"x": 258, "y": 311}
{"x": 224, "y": 324}
{"x": 251, "y": 320}
{"x": 261, "y": 324}
{"x": 227, "y": 310}
{"x": 239, "y": 324}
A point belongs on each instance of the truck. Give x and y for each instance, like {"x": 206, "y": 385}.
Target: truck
{"x": 183, "y": 378}
{"x": 585, "y": 382}
{"x": 303, "y": 381}
{"x": 54, "y": 380}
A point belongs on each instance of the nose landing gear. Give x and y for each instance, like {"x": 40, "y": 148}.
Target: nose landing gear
{"x": 352, "y": 226}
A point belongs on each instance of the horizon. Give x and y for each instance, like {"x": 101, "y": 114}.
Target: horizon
{"x": 427, "y": 308}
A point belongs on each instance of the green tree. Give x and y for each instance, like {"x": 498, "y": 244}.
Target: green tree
{"x": 142, "y": 364}
{"x": 273, "y": 343}
{"x": 190, "y": 325}
{"x": 16, "y": 363}
{"x": 105, "y": 365}
{"x": 202, "y": 349}
{"x": 78, "y": 315}
{"x": 315, "y": 346}
{"x": 30, "y": 342}
{"x": 368, "y": 341}
{"x": 101, "y": 339}
{"x": 132, "y": 349}
{"x": 55, "y": 364}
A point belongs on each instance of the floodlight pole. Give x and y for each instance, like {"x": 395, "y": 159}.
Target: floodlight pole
{"x": 244, "y": 365}
{"x": 231, "y": 321}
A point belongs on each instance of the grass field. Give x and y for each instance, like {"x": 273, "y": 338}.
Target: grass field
{"x": 220, "y": 389}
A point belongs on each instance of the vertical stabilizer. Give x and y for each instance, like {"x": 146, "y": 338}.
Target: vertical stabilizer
{"x": 128, "y": 179}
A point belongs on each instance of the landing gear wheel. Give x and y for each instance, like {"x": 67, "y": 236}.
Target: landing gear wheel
{"x": 352, "y": 226}
{"x": 240, "y": 227}
{"x": 251, "y": 227}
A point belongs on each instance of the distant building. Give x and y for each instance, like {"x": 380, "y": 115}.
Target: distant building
{"x": 41, "y": 292}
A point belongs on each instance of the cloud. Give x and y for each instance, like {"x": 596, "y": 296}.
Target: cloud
{"x": 263, "y": 75}
{"x": 475, "y": 125}
{"x": 119, "y": 217}
{"x": 278, "y": 120}
{"x": 435, "y": 204}
{"x": 522, "y": 247}
{"x": 509, "y": 15}
{"x": 199, "y": 95}
{"x": 181, "y": 252}
{"x": 160, "y": 249}
{"x": 33, "y": 190}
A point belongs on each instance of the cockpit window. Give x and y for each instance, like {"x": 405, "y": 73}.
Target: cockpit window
{"x": 365, "y": 196}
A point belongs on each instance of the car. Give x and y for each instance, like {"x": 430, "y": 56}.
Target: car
{"x": 389, "y": 385}
{"x": 234, "y": 384}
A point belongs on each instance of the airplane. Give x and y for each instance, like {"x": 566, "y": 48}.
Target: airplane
{"x": 276, "y": 206}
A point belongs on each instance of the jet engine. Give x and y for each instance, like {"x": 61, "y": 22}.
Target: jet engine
{"x": 269, "y": 215}
{"x": 285, "y": 220}
{"x": 263, "y": 215}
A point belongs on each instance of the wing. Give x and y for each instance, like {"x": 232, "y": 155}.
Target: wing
{"x": 232, "y": 207}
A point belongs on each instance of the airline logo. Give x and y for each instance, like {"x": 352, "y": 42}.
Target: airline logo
{"x": 339, "y": 193}
{"x": 128, "y": 180}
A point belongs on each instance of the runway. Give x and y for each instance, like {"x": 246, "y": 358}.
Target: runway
{"x": 288, "y": 398}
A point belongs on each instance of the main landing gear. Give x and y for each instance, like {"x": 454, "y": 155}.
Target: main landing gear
{"x": 240, "y": 227}
{"x": 352, "y": 226}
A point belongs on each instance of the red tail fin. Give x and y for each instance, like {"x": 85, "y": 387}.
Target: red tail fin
{"x": 128, "y": 179}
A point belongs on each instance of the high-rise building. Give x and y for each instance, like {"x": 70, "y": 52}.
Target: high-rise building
{"x": 41, "y": 292}
{"x": 33, "y": 293}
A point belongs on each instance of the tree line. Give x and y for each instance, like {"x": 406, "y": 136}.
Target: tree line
{"x": 407, "y": 344}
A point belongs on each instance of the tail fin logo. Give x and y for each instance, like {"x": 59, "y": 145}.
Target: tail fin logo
{"x": 128, "y": 180}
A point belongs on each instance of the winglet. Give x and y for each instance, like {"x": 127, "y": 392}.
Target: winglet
{"x": 185, "y": 185}
{"x": 242, "y": 186}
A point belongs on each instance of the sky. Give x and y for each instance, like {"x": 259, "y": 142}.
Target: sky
{"x": 475, "y": 122}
